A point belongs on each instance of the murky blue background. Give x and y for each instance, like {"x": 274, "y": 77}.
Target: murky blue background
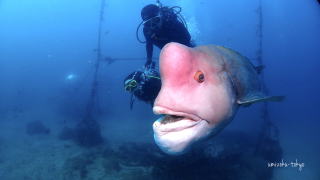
{"x": 42, "y": 42}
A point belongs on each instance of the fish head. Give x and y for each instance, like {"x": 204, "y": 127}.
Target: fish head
{"x": 196, "y": 97}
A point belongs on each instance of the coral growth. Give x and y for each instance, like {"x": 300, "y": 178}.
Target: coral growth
{"x": 86, "y": 133}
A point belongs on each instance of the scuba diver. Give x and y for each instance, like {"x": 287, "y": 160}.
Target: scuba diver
{"x": 145, "y": 85}
{"x": 162, "y": 25}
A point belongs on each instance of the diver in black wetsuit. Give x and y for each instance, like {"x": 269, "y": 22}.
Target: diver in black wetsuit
{"x": 161, "y": 26}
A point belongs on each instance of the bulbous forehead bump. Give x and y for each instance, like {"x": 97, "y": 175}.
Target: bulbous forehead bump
{"x": 175, "y": 53}
{"x": 176, "y": 60}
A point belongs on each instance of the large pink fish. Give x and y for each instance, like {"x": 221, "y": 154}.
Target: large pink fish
{"x": 201, "y": 91}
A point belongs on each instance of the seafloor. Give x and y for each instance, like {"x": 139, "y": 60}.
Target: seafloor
{"x": 43, "y": 156}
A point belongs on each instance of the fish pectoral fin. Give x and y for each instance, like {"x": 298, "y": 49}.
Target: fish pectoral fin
{"x": 249, "y": 101}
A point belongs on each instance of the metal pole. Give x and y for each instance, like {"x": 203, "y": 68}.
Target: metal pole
{"x": 92, "y": 103}
{"x": 268, "y": 130}
{"x": 87, "y": 131}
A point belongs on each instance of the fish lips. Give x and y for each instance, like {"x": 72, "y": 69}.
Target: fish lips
{"x": 174, "y": 121}
{"x": 177, "y": 131}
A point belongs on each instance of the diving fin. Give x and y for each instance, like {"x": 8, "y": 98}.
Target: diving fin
{"x": 249, "y": 101}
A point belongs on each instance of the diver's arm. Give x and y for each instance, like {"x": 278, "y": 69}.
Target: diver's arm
{"x": 149, "y": 47}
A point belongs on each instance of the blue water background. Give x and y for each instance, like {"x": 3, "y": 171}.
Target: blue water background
{"x": 42, "y": 42}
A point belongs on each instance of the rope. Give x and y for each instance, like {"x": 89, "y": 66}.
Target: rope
{"x": 156, "y": 77}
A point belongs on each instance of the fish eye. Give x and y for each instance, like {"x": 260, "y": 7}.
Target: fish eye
{"x": 199, "y": 76}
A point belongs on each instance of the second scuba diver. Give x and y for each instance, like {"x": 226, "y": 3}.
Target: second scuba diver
{"x": 162, "y": 25}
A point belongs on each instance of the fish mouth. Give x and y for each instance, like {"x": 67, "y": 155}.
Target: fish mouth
{"x": 173, "y": 121}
